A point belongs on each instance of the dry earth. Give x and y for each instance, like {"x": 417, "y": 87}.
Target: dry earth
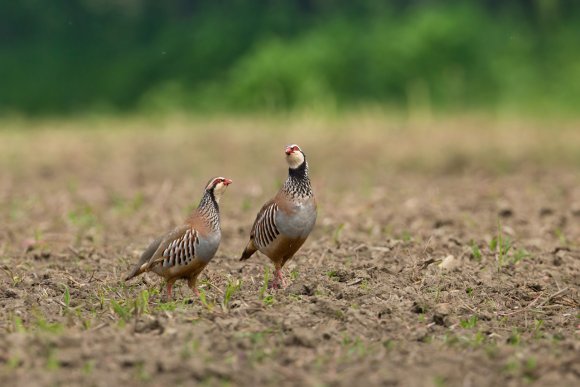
{"x": 446, "y": 253}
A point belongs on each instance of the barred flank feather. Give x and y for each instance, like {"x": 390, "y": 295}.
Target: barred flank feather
{"x": 266, "y": 230}
{"x": 181, "y": 251}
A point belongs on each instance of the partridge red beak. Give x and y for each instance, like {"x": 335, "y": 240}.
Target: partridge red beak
{"x": 227, "y": 182}
{"x": 289, "y": 151}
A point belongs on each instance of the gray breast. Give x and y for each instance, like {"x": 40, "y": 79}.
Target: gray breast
{"x": 300, "y": 222}
{"x": 207, "y": 246}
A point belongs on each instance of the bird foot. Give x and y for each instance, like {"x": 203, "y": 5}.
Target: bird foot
{"x": 279, "y": 280}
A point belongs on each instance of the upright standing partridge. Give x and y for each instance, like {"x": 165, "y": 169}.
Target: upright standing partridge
{"x": 284, "y": 223}
{"x": 185, "y": 251}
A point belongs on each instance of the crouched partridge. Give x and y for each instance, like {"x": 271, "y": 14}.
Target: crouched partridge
{"x": 185, "y": 251}
{"x": 284, "y": 223}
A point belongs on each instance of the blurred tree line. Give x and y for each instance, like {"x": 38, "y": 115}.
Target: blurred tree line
{"x": 68, "y": 56}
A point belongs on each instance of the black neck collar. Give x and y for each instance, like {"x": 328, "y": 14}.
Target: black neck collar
{"x": 300, "y": 172}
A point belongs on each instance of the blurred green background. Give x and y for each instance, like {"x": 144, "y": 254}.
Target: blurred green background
{"x": 80, "y": 56}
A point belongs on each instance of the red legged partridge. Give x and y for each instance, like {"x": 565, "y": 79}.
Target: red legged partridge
{"x": 284, "y": 223}
{"x": 185, "y": 251}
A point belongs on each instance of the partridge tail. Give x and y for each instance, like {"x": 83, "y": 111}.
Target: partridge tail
{"x": 141, "y": 266}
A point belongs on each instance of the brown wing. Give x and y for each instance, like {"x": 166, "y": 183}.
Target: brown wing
{"x": 264, "y": 231}
{"x": 178, "y": 248}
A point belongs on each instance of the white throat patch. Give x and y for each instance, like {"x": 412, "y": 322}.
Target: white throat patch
{"x": 294, "y": 159}
{"x": 218, "y": 191}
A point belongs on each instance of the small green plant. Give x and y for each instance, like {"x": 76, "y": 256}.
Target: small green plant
{"x": 87, "y": 324}
{"x": 561, "y": 236}
{"x": 531, "y": 363}
{"x": 333, "y": 275}
{"x": 13, "y": 362}
{"x": 203, "y": 299}
{"x": 142, "y": 303}
{"x": 231, "y": 287}
{"x": 337, "y": 234}
{"x": 530, "y": 366}
{"x": 168, "y": 306}
{"x": 388, "y": 230}
{"x": 66, "y": 298}
{"x": 88, "y": 367}
{"x": 478, "y": 339}
{"x": 190, "y": 348}
{"x": 52, "y": 363}
{"x": 46, "y": 326}
{"x": 295, "y": 297}
{"x": 525, "y": 367}
{"x": 515, "y": 337}
{"x": 389, "y": 344}
{"x": 364, "y": 285}
{"x": 511, "y": 366}
{"x": 354, "y": 346}
{"x": 501, "y": 245}
{"x": 82, "y": 216}
{"x": 439, "y": 381}
{"x": 519, "y": 255}
{"x": 294, "y": 274}
{"x": 141, "y": 372}
{"x": 491, "y": 350}
{"x": 470, "y": 323}
{"x": 449, "y": 339}
{"x": 538, "y": 324}
{"x": 15, "y": 278}
{"x": 475, "y": 251}
{"x": 122, "y": 311}
{"x": 101, "y": 298}
{"x": 268, "y": 300}
{"x": 17, "y": 324}
{"x": 38, "y": 235}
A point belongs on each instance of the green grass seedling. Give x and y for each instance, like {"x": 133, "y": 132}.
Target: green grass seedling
{"x": 231, "y": 288}
{"x": 475, "y": 251}
{"x": 469, "y": 323}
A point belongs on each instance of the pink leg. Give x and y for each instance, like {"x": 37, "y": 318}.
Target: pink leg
{"x": 169, "y": 287}
{"x": 279, "y": 281}
{"x": 192, "y": 282}
{"x": 282, "y": 279}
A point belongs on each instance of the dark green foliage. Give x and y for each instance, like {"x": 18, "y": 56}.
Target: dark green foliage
{"x": 70, "y": 56}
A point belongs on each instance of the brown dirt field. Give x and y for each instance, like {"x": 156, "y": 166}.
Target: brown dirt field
{"x": 372, "y": 299}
